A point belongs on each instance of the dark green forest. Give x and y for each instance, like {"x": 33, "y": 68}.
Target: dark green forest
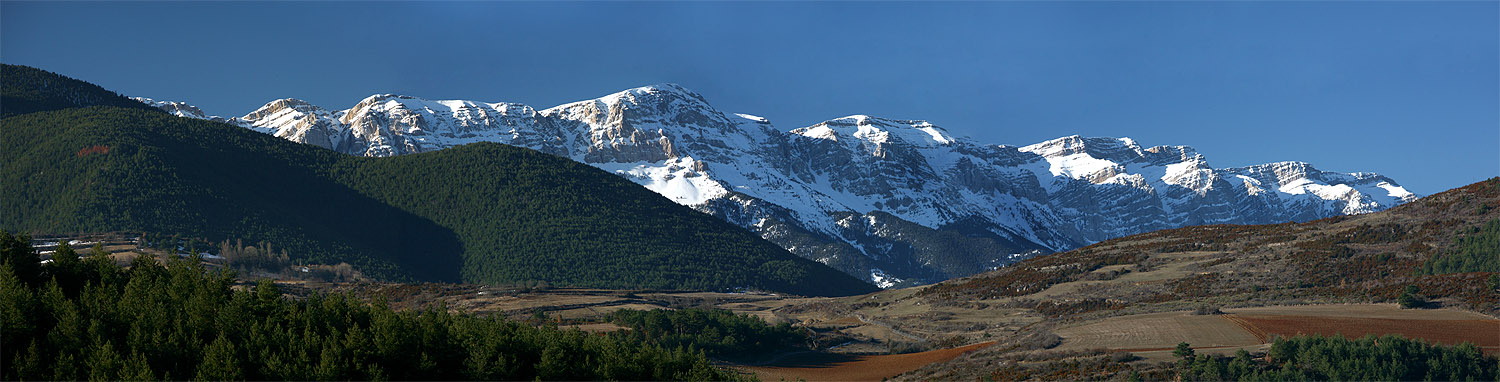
{"x": 153, "y": 172}
{"x": 484, "y": 213}
{"x": 89, "y": 319}
{"x": 26, "y": 89}
{"x": 1318, "y": 358}
{"x": 1476, "y": 249}
{"x": 523, "y": 215}
{"x": 719, "y": 333}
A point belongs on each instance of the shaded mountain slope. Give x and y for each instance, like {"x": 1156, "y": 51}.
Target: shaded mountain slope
{"x": 25, "y": 89}
{"x": 479, "y": 213}
{"x": 525, "y": 215}
{"x": 110, "y": 169}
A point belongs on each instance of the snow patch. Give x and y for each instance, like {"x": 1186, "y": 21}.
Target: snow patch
{"x": 753, "y": 118}
{"x": 883, "y": 280}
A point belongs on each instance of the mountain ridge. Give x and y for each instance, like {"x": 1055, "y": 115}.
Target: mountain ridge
{"x": 802, "y": 188}
{"x": 484, "y": 212}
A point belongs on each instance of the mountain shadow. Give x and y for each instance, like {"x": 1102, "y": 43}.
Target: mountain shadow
{"x": 484, "y": 213}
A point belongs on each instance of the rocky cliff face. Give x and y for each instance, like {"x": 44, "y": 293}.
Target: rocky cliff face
{"x": 896, "y": 202}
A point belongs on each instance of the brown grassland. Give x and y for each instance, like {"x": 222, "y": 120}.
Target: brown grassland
{"x": 829, "y": 367}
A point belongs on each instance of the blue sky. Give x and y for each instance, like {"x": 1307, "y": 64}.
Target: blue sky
{"x": 1409, "y": 90}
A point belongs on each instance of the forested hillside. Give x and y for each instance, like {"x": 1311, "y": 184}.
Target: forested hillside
{"x": 101, "y": 169}
{"x": 91, "y": 319}
{"x": 481, "y": 213}
{"x": 26, "y": 89}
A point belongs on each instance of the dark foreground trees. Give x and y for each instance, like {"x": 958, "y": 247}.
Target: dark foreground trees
{"x": 1317, "y": 358}
{"x": 719, "y": 333}
{"x": 89, "y": 319}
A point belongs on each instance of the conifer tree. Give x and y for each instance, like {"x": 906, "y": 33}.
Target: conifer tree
{"x": 220, "y": 363}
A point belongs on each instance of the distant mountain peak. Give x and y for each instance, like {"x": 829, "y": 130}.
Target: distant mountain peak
{"x": 657, "y": 97}
{"x": 1107, "y": 148}
{"x": 902, "y": 199}
{"x": 878, "y": 130}
{"x": 180, "y": 109}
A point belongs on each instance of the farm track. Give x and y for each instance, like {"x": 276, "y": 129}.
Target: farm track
{"x": 890, "y": 328}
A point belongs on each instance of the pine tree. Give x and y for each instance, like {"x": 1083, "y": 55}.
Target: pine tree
{"x": 136, "y": 369}
{"x": 103, "y": 362}
{"x": 17, "y": 251}
{"x": 1183, "y": 351}
{"x": 64, "y": 368}
{"x": 219, "y": 362}
{"x": 16, "y": 307}
{"x": 28, "y": 365}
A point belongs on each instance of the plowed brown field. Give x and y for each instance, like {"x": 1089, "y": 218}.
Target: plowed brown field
{"x": 1250, "y": 327}
{"x": 838, "y": 367}
{"x": 1485, "y": 333}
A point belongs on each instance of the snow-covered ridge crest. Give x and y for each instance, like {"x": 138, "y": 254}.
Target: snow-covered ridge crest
{"x": 878, "y": 131}
{"x": 180, "y": 109}
{"x": 898, "y": 202}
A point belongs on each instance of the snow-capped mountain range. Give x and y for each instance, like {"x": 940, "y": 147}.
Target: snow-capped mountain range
{"x": 896, "y": 202}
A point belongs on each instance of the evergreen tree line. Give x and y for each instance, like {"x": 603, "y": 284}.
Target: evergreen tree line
{"x": 75, "y": 319}
{"x": 719, "y": 333}
{"x": 1476, "y": 249}
{"x": 1318, "y": 358}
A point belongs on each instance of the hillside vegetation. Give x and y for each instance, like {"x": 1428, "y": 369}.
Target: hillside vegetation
{"x": 26, "y": 89}
{"x": 1442, "y": 245}
{"x": 96, "y": 321}
{"x": 483, "y": 213}
{"x": 1318, "y": 358}
{"x": 719, "y": 333}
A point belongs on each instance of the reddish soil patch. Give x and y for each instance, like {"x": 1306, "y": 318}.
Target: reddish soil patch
{"x": 95, "y": 149}
{"x": 1142, "y": 350}
{"x": 1484, "y": 333}
{"x": 838, "y": 367}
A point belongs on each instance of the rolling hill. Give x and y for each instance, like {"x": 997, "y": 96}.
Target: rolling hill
{"x": 26, "y": 89}
{"x": 1428, "y": 270}
{"x": 483, "y": 213}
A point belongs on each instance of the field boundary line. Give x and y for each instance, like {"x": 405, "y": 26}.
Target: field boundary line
{"x": 1260, "y": 335}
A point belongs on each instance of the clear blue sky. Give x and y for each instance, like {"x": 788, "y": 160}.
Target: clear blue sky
{"x": 1409, "y": 90}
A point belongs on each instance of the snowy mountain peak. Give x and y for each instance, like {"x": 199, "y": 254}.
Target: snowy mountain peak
{"x": 180, "y": 109}
{"x": 462, "y": 109}
{"x": 1095, "y": 159}
{"x": 660, "y": 97}
{"x": 1117, "y": 150}
{"x": 883, "y": 199}
{"x": 376, "y": 98}
{"x": 1163, "y": 155}
{"x": 878, "y": 131}
{"x": 282, "y": 111}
